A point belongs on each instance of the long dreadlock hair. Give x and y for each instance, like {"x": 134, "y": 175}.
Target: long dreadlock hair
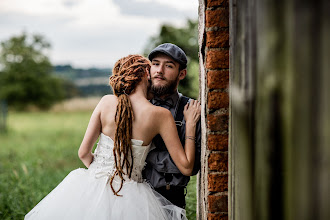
{"x": 126, "y": 74}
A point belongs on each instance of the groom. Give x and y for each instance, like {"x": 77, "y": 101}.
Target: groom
{"x": 168, "y": 67}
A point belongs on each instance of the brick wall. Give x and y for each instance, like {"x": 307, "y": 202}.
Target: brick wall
{"x": 214, "y": 65}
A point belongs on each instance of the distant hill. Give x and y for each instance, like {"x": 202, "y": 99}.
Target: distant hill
{"x": 89, "y": 82}
{"x": 69, "y": 72}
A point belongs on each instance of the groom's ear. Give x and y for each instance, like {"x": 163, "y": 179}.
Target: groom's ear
{"x": 182, "y": 74}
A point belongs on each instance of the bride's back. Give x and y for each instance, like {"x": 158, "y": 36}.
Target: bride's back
{"x": 145, "y": 124}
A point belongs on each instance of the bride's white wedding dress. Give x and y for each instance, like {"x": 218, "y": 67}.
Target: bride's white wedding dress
{"x": 86, "y": 193}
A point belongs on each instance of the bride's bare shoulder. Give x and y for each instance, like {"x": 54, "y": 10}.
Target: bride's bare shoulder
{"x": 160, "y": 113}
{"x": 108, "y": 99}
{"x": 106, "y": 103}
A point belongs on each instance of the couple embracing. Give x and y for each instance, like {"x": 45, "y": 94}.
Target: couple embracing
{"x": 149, "y": 145}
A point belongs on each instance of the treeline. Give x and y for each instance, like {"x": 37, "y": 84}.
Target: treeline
{"x": 84, "y": 82}
{"x": 69, "y": 72}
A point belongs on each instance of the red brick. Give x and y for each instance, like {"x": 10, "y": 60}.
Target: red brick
{"x": 218, "y": 203}
{"x": 217, "y": 142}
{"x": 217, "y": 18}
{"x": 213, "y": 3}
{"x": 217, "y": 100}
{"x": 218, "y": 122}
{"x": 218, "y": 162}
{"x": 217, "y": 59}
{"x": 217, "y": 182}
{"x": 218, "y": 79}
{"x": 217, "y": 216}
{"x": 217, "y": 38}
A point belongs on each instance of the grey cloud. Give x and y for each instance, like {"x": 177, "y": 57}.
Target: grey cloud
{"x": 15, "y": 23}
{"x": 71, "y": 3}
{"x": 16, "y": 19}
{"x": 147, "y": 9}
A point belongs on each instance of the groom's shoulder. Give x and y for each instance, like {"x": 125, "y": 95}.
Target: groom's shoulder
{"x": 183, "y": 101}
{"x": 185, "y": 98}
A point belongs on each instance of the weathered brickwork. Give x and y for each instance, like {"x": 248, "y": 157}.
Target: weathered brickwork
{"x": 218, "y": 79}
{"x": 217, "y": 142}
{"x": 217, "y": 18}
{"x": 218, "y": 162}
{"x": 218, "y": 203}
{"x": 218, "y": 182}
{"x": 217, "y": 216}
{"x": 219, "y": 38}
{"x": 217, "y": 59}
{"x": 217, "y": 100}
{"x": 216, "y": 64}
{"x": 217, "y": 3}
{"x": 218, "y": 122}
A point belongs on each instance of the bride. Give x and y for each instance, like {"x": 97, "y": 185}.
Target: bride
{"x": 125, "y": 123}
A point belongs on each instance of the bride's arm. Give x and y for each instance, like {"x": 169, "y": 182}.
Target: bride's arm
{"x": 183, "y": 158}
{"x": 91, "y": 135}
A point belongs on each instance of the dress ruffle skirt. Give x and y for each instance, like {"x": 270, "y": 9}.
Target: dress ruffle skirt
{"x": 85, "y": 194}
{"x": 82, "y": 196}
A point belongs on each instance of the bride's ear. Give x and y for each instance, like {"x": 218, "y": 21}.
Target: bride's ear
{"x": 148, "y": 74}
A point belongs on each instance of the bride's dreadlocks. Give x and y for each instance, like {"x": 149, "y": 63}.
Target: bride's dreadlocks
{"x": 126, "y": 74}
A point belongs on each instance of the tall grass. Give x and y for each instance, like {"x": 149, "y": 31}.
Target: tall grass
{"x": 37, "y": 152}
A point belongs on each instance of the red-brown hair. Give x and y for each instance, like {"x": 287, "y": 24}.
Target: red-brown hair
{"x": 126, "y": 74}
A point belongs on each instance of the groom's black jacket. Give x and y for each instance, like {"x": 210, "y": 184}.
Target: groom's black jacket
{"x": 160, "y": 169}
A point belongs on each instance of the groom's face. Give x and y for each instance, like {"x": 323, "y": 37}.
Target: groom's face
{"x": 165, "y": 74}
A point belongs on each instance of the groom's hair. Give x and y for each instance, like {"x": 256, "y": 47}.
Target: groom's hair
{"x": 126, "y": 74}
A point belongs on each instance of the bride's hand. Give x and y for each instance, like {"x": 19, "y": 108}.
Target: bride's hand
{"x": 192, "y": 112}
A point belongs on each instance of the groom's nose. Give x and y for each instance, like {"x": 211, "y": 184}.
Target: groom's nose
{"x": 160, "y": 69}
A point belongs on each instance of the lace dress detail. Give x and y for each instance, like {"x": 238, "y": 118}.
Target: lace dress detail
{"x": 85, "y": 194}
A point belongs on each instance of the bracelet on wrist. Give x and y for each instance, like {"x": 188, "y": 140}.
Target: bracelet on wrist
{"x": 191, "y": 138}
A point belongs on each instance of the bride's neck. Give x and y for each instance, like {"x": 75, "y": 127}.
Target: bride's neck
{"x": 139, "y": 91}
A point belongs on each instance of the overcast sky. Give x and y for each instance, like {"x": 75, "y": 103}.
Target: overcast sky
{"x": 92, "y": 33}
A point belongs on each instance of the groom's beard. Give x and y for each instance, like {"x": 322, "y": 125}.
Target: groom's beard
{"x": 167, "y": 89}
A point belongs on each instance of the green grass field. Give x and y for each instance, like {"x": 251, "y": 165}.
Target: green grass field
{"x": 37, "y": 152}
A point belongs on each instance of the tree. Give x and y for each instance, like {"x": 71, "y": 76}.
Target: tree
{"x": 187, "y": 38}
{"x": 25, "y": 77}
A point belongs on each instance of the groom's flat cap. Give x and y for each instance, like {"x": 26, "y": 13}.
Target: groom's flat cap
{"x": 171, "y": 50}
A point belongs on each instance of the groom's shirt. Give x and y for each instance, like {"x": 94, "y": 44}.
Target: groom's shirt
{"x": 160, "y": 170}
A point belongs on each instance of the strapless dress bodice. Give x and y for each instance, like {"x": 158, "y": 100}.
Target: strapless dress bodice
{"x": 104, "y": 161}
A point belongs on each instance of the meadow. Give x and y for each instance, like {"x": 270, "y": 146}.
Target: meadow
{"x": 38, "y": 150}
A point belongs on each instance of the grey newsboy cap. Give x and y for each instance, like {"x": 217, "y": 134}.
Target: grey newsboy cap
{"x": 171, "y": 50}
